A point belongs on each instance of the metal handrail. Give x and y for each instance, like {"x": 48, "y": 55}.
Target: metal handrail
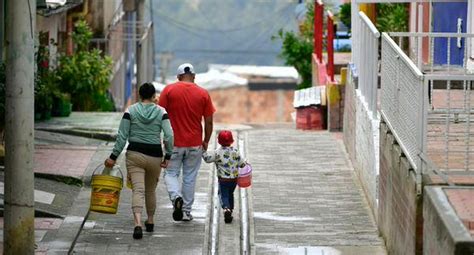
{"x": 369, "y": 24}
{"x": 430, "y": 34}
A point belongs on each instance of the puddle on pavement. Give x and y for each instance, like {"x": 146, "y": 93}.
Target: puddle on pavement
{"x": 89, "y": 224}
{"x": 301, "y": 250}
{"x": 71, "y": 219}
{"x": 272, "y": 216}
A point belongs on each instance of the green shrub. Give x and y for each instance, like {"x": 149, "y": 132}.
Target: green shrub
{"x": 45, "y": 84}
{"x": 392, "y": 17}
{"x": 297, "y": 48}
{"x": 85, "y": 74}
{"x": 345, "y": 15}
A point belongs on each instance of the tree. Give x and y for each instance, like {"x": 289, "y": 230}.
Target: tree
{"x": 85, "y": 74}
{"x": 345, "y": 15}
{"x": 297, "y": 48}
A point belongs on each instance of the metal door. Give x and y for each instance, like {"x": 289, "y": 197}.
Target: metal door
{"x": 449, "y": 17}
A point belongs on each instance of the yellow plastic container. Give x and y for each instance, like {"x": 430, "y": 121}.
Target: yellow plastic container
{"x": 105, "y": 194}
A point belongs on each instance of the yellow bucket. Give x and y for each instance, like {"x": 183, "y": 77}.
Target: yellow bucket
{"x": 105, "y": 194}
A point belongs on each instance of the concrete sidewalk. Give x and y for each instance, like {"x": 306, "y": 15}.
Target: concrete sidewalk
{"x": 306, "y": 198}
{"x": 74, "y": 147}
{"x": 62, "y": 160}
{"x": 112, "y": 234}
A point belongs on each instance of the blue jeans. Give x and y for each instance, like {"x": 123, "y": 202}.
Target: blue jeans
{"x": 226, "y": 194}
{"x": 189, "y": 160}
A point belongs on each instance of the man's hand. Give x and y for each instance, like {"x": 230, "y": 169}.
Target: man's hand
{"x": 109, "y": 163}
{"x": 208, "y": 125}
{"x": 205, "y": 145}
{"x": 164, "y": 163}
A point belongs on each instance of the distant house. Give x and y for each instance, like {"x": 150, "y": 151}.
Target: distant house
{"x": 51, "y": 20}
{"x": 249, "y": 94}
{"x": 262, "y": 94}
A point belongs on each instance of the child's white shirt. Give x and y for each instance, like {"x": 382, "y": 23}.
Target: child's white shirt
{"x": 227, "y": 159}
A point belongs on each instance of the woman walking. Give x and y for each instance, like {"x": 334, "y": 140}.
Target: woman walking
{"x": 141, "y": 125}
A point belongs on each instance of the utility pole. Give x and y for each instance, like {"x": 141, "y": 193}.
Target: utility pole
{"x": 19, "y": 179}
{"x": 129, "y": 8}
{"x": 165, "y": 59}
{"x": 141, "y": 66}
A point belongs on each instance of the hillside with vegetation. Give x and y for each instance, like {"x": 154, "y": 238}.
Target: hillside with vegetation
{"x": 226, "y": 32}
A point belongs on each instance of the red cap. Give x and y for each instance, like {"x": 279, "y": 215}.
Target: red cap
{"x": 225, "y": 138}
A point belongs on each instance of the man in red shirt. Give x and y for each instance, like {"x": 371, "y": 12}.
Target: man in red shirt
{"x": 187, "y": 105}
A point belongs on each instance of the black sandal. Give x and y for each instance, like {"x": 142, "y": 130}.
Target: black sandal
{"x": 149, "y": 227}
{"x": 137, "y": 233}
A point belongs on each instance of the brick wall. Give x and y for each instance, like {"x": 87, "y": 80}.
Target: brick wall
{"x": 361, "y": 137}
{"x": 445, "y": 232}
{"x": 399, "y": 212}
{"x": 349, "y": 118}
{"x": 240, "y": 105}
{"x": 367, "y": 149}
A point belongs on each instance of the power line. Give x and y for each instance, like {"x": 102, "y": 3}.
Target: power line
{"x": 230, "y": 30}
{"x": 223, "y": 51}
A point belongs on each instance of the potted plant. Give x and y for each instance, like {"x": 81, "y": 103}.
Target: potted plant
{"x": 85, "y": 74}
{"x": 62, "y": 105}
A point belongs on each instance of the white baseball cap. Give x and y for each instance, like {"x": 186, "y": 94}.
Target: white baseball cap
{"x": 185, "y": 68}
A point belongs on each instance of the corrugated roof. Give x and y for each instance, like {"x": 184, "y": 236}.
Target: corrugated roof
{"x": 50, "y": 7}
{"x": 261, "y": 71}
{"x": 307, "y": 97}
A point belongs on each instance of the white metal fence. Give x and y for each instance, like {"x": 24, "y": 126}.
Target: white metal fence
{"x": 442, "y": 53}
{"x": 450, "y": 117}
{"x": 429, "y": 105}
{"x": 366, "y": 61}
{"x": 444, "y": 60}
{"x": 403, "y": 100}
{"x": 365, "y": 98}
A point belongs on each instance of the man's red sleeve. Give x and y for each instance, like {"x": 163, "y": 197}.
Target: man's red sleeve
{"x": 208, "y": 107}
{"x": 163, "y": 102}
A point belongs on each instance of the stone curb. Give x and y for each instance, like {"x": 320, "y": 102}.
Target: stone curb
{"x": 459, "y": 234}
{"x": 105, "y": 135}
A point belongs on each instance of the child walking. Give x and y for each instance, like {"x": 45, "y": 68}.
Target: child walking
{"x": 228, "y": 161}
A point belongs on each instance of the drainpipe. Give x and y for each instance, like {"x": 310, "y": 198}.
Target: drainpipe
{"x": 70, "y": 26}
{"x": 470, "y": 29}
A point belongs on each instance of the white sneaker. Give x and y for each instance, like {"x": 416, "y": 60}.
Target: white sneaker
{"x": 187, "y": 216}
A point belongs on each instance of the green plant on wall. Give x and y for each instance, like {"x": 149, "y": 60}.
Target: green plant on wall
{"x": 297, "y": 48}
{"x": 345, "y": 15}
{"x": 85, "y": 74}
{"x": 45, "y": 81}
{"x": 392, "y": 17}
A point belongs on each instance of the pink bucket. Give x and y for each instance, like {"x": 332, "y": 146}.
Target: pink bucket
{"x": 245, "y": 176}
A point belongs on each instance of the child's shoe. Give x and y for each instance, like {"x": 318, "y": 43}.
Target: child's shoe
{"x": 228, "y": 216}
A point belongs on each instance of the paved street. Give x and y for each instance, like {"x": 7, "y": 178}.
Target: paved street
{"x": 306, "y": 199}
